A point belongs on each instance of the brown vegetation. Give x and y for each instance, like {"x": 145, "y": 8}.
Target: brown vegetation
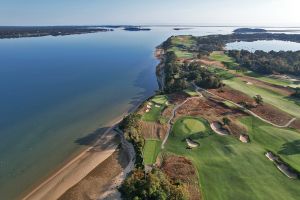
{"x": 182, "y": 169}
{"x": 208, "y": 109}
{"x": 266, "y": 111}
{"x": 153, "y": 130}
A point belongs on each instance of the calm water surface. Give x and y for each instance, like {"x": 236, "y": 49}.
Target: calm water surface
{"x": 57, "y": 90}
{"x": 264, "y": 45}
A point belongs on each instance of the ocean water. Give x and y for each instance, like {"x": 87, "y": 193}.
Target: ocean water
{"x": 57, "y": 91}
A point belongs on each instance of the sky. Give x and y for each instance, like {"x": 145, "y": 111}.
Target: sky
{"x": 151, "y": 12}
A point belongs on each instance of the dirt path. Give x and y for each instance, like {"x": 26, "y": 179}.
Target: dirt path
{"x": 245, "y": 109}
{"x": 171, "y": 118}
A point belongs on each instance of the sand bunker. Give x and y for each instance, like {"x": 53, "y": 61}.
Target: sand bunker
{"x": 249, "y": 83}
{"x": 217, "y": 128}
{"x": 191, "y": 143}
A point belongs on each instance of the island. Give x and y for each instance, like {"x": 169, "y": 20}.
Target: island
{"x": 136, "y": 28}
{"x": 7, "y": 32}
{"x": 249, "y": 30}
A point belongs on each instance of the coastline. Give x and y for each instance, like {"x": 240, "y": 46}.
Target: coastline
{"x": 58, "y": 182}
{"x": 67, "y": 169}
{"x": 75, "y": 169}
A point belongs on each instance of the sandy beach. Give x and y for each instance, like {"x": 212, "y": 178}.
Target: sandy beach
{"x": 76, "y": 169}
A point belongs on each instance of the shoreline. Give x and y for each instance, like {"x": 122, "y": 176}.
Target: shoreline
{"x": 43, "y": 186}
{"x": 56, "y": 180}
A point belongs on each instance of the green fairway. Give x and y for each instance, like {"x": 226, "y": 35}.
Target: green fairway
{"x": 223, "y": 74}
{"x": 180, "y": 46}
{"x": 223, "y": 58}
{"x": 283, "y": 103}
{"x": 160, "y": 99}
{"x": 181, "y": 53}
{"x": 158, "y": 105}
{"x": 229, "y": 169}
{"x": 151, "y": 150}
{"x": 273, "y": 80}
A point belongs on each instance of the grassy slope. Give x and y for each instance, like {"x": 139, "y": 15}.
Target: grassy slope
{"x": 270, "y": 97}
{"x": 151, "y": 150}
{"x": 229, "y": 169}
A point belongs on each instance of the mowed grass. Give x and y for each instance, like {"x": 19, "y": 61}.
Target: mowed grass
{"x": 181, "y": 44}
{"x": 151, "y": 150}
{"x": 273, "y": 80}
{"x": 191, "y": 127}
{"x": 285, "y": 104}
{"x": 158, "y": 105}
{"x": 229, "y": 169}
{"x": 223, "y": 58}
{"x": 160, "y": 99}
{"x": 180, "y": 53}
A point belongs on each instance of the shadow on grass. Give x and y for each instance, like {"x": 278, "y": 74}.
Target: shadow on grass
{"x": 290, "y": 148}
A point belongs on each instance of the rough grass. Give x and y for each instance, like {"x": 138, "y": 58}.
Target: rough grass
{"x": 229, "y": 169}
{"x": 285, "y": 104}
{"x": 151, "y": 150}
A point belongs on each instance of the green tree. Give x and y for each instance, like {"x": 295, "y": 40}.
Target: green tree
{"x": 226, "y": 121}
{"x": 258, "y": 99}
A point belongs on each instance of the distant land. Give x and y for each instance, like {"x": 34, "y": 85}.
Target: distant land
{"x": 7, "y": 32}
{"x": 250, "y": 30}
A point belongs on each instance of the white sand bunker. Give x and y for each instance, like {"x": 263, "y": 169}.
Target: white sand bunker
{"x": 191, "y": 143}
{"x": 217, "y": 128}
{"x": 249, "y": 83}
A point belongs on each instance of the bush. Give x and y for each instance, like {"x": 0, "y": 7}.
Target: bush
{"x": 153, "y": 185}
